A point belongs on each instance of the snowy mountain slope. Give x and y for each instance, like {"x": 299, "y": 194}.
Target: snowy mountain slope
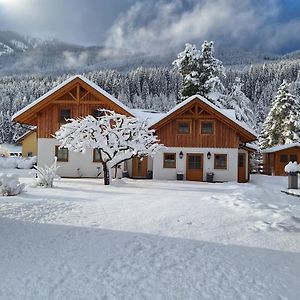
{"x": 12, "y": 43}
{"x": 20, "y": 54}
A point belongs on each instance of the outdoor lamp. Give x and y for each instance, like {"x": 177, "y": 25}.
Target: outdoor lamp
{"x": 180, "y": 154}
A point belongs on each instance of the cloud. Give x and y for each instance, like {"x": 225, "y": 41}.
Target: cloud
{"x": 163, "y": 25}
{"x": 72, "y": 60}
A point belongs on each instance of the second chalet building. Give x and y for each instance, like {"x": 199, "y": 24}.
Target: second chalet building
{"x": 199, "y": 136}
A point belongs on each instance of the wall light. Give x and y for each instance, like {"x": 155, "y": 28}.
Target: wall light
{"x": 181, "y": 155}
{"x": 208, "y": 155}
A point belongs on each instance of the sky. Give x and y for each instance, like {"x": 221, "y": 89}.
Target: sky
{"x": 153, "y": 26}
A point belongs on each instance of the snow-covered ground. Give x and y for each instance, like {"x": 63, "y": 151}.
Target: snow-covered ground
{"x": 142, "y": 239}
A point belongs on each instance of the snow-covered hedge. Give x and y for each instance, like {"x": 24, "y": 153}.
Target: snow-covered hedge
{"x": 10, "y": 185}
{"x": 292, "y": 167}
{"x": 15, "y": 162}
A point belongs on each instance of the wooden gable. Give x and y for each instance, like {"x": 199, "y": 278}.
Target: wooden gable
{"x": 226, "y": 134}
{"x": 77, "y": 96}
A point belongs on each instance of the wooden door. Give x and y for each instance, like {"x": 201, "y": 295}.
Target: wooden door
{"x": 139, "y": 167}
{"x": 194, "y": 166}
{"x": 242, "y": 167}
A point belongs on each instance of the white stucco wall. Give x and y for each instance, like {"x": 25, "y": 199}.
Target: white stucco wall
{"x": 83, "y": 162}
{"x": 208, "y": 164}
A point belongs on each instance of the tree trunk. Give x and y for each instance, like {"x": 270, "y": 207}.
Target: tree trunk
{"x": 106, "y": 174}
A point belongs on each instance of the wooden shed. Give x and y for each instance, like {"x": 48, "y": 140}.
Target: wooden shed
{"x": 277, "y": 157}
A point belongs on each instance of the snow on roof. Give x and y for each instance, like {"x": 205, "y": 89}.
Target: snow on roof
{"x": 280, "y": 147}
{"x": 20, "y": 138}
{"x": 87, "y": 81}
{"x": 12, "y": 148}
{"x": 252, "y": 146}
{"x": 147, "y": 114}
{"x": 229, "y": 113}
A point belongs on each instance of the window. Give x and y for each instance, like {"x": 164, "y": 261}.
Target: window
{"x": 62, "y": 154}
{"x": 183, "y": 127}
{"x": 65, "y": 114}
{"x": 293, "y": 157}
{"x": 169, "y": 160}
{"x": 283, "y": 158}
{"x": 194, "y": 162}
{"x": 220, "y": 161}
{"x": 207, "y": 128}
{"x": 96, "y": 113}
{"x": 96, "y": 156}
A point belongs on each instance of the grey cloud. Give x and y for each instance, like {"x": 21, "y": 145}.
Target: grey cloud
{"x": 149, "y": 27}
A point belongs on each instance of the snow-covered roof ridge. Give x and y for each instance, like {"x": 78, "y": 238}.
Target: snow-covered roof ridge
{"x": 227, "y": 113}
{"x": 147, "y": 115}
{"x": 280, "y": 147}
{"x": 64, "y": 83}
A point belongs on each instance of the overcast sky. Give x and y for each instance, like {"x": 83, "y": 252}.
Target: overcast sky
{"x": 156, "y": 25}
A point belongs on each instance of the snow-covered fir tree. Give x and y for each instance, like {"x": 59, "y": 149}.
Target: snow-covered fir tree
{"x": 201, "y": 73}
{"x": 238, "y": 101}
{"x": 188, "y": 65}
{"x": 211, "y": 71}
{"x": 282, "y": 123}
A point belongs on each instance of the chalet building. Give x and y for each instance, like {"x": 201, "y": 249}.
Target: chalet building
{"x": 199, "y": 137}
{"x": 276, "y": 158}
{"x": 75, "y": 97}
{"x": 29, "y": 143}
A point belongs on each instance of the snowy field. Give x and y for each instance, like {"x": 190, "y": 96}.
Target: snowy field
{"x": 142, "y": 239}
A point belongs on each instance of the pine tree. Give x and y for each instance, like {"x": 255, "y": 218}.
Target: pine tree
{"x": 238, "y": 101}
{"x": 187, "y": 64}
{"x": 282, "y": 123}
{"x": 201, "y": 73}
{"x": 212, "y": 70}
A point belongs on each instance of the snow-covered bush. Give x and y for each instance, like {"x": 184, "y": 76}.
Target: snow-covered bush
{"x": 46, "y": 175}
{"x": 292, "y": 167}
{"x": 10, "y": 185}
{"x": 4, "y": 152}
{"x": 16, "y": 162}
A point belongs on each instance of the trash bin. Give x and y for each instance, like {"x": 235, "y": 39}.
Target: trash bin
{"x": 125, "y": 174}
{"x": 179, "y": 176}
{"x": 149, "y": 174}
{"x": 209, "y": 177}
{"x": 292, "y": 180}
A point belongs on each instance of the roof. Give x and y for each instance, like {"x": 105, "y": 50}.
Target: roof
{"x": 252, "y": 146}
{"x": 227, "y": 113}
{"x": 64, "y": 83}
{"x": 280, "y": 147}
{"x": 147, "y": 114}
{"x": 26, "y": 134}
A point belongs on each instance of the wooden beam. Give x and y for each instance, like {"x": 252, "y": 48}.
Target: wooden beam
{"x": 84, "y": 95}
{"x": 78, "y": 93}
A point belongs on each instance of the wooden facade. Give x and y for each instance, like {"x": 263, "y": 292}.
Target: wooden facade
{"x": 226, "y": 134}
{"x": 77, "y": 96}
{"x": 274, "y": 162}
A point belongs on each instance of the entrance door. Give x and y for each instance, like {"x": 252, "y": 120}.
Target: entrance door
{"x": 194, "y": 166}
{"x": 242, "y": 167}
{"x": 139, "y": 167}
